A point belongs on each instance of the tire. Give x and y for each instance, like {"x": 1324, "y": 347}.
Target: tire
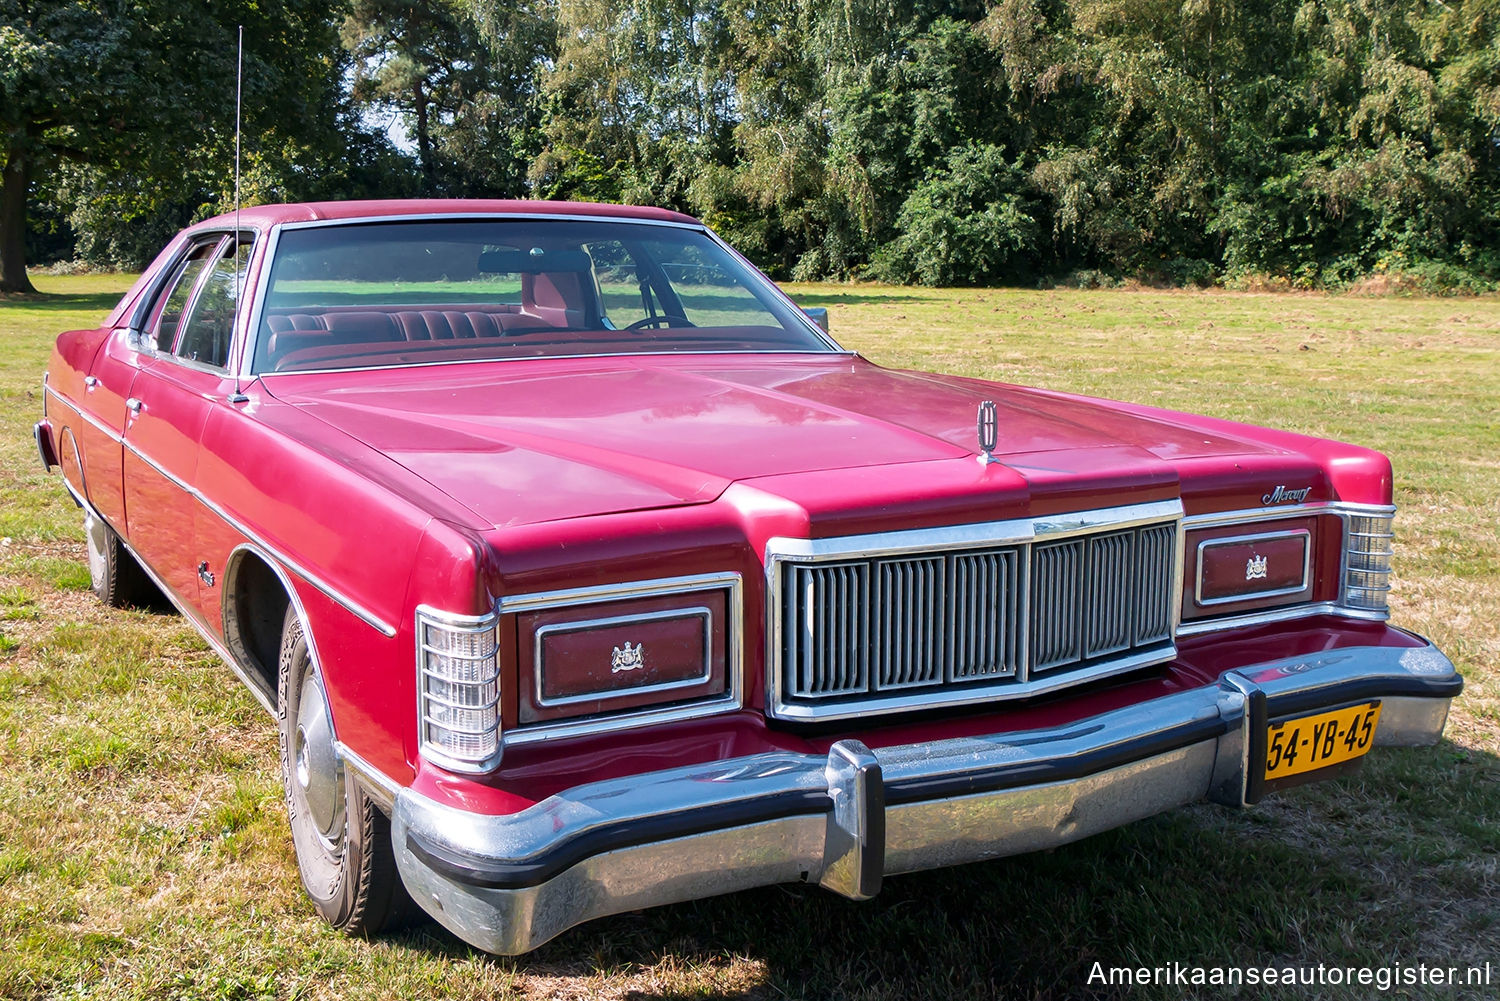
{"x": 114, "y": 575}
{"x": 342, "y": 840}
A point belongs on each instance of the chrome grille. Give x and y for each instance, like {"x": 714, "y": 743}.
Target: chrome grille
{"x": 983, "y": 636}
{"x": 1056, "y": 573}
{"x": 918, "y": 623}
{"x": 827, "y": 629}
{"x": 909, "y": 623}
{"x": 1155, "y": 564}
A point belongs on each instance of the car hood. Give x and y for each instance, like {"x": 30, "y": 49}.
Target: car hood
{"x": 525, "y": 442}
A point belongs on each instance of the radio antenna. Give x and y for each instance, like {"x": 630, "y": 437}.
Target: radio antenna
{"x": 239, "y": 81}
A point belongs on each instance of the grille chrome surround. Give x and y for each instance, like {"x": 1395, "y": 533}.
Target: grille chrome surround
{"x": 911, "y": 620}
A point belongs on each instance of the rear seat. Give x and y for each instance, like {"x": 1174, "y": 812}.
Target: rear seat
{"x": 445, "y": 324}
{"x": 299, "y": 330}
{"x": 551, "y": 300}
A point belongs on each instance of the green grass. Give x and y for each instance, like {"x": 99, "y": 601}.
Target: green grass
{"x": 144, "y": 850}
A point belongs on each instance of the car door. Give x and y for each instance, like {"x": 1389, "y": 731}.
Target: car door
{"x": 184, "y": 377}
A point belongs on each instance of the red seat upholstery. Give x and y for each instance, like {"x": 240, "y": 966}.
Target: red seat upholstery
{"x": 549, "y": 301}
{"x": 557, "y": 299}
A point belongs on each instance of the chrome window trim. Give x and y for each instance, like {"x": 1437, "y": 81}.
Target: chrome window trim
{"x": 699, "y": 611}
{"x": 513, "y": 361}
{"x": 423, "y": 616}
{"x": 200, "y": 286}
{"x": 732, "y": 700}
{"x": 191, "y": 239}
{"x": 781, "y": 550}
{"x": 250, "y": 335}
{"x": 1232, "y": 540}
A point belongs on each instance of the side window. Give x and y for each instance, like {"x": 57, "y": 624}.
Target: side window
{"x": 209, "y": 325}
{"x": 169, "y": 317}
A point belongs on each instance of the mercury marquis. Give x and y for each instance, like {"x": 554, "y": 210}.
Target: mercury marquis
{"x": 582, "y": 571}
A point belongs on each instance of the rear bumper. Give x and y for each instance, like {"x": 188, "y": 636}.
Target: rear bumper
{"x": 509, "y": 883}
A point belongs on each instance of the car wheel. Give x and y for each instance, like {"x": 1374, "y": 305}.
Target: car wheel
{"x": 114, "y": 575}
{"x": 342, "y": 840}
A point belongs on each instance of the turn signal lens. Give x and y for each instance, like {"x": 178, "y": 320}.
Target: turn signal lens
{"x": 1367, "y": 561}
{"x": 458, "y": 690}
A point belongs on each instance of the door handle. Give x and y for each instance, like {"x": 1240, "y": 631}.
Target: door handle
{"x": 91, "y": 381}
{"x": 134, "y": 406}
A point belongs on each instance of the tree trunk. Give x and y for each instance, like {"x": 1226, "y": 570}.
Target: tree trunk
{"x": 13, "y": 222}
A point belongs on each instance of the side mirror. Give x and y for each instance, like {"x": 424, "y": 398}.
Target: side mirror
{"x": 818, "y": 315}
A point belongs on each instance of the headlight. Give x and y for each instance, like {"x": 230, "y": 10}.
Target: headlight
{"x": 1367, "y": 561}
{"x": 458, "y": 690}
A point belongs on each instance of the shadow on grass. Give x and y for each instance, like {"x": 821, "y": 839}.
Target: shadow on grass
{"x": 1353, "y": 872}
{"x": 856, "y": 298}
{"x": 62, "y": 302}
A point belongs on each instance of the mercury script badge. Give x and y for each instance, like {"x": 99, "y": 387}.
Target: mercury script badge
{"x": 631, "y": 658}
{"x": 1281, "y": 495}
{"x": 1255, "y": 568}
{"x": 989, "y": 432}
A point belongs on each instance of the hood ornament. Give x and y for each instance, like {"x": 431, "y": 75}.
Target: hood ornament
{"x": 989, "y": 432}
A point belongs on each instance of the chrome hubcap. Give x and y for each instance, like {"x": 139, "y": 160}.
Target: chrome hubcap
{"x": 316, "y": 767}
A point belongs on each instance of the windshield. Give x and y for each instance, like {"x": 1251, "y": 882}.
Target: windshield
{"x": 410, "y": 293}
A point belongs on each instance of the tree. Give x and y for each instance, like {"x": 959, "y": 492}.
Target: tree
{"x": 464, "y": 76}
{"x": 136, "y": 101}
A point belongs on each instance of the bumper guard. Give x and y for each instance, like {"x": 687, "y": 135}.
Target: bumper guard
{"x": 507, "y": 884}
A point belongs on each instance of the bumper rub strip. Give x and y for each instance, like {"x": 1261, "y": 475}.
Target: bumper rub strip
{"x": 847, "y": 818}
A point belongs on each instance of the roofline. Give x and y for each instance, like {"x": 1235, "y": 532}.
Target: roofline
{"x": 276, "y": 214}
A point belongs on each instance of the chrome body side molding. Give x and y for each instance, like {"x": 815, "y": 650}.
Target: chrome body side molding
{"x": 338, "y": 597}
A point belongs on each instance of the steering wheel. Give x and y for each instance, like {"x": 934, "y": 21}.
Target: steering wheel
{"x": 660, "y": 320}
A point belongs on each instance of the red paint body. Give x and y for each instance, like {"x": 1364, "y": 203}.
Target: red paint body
{"x": 455, "y": 486}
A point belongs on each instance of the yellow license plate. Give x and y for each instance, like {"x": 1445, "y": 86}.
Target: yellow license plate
{"x": 1305, "y": 744}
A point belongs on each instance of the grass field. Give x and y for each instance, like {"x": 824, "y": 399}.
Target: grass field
{"x": 144, "y": 850}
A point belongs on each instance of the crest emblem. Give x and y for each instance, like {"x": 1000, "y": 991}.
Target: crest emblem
{"x": 989, "y": 432}
{"x": 1255, "y": 568}
{"x": 628, "y": 658}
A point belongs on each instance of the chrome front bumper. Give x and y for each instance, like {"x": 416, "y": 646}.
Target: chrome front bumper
{"x": 507, "y": 884}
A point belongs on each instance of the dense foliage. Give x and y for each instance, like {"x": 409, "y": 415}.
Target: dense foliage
{"x": 1314, "y": 141}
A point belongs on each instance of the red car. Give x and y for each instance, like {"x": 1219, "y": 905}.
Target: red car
{"x": 583, "y": 572}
